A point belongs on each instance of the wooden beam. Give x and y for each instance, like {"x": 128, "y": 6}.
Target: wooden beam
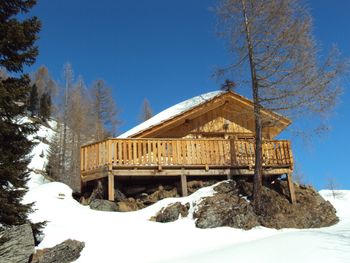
{"x": 195, "y": 172}
{"x": 183, "y": 184}
{"x": 291, "y": 188}
{"x": 110, "y": 186}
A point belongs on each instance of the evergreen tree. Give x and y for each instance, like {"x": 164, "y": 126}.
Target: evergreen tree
{"x": 45, "y": 107}
{"x": 33, "y": 101}
{"x": 17, "y": 50}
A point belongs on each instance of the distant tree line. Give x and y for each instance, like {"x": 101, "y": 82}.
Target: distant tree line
{"x": 83, "y": 115}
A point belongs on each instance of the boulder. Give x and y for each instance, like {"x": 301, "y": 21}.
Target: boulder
{"x": 129, "y": 205}
{"x": 172, "y": 212}
{"x": 230, "y": 206}
{"x": 16, "y": 244}
{"x": 103, "y": 205}
{"x": 118, "y": 195}
{"x": 160, "y": 194}
{"x": 310, "y": 211}
{"x": 97, "y": 193}
{"x": 65, "y": 252}
{"x": 193, "y": 186}
{"x": 225, "y": 208}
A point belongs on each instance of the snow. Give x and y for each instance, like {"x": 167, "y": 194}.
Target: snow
{"x": 131, "y": 237}
{"x": 39, "y": 154}
{"x": 172, "y": 112}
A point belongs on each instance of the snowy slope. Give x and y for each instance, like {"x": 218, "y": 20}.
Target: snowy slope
{"x": 172, "y": 112}
{"x": 39, "y": 153}
{"x": 131, "y": 237}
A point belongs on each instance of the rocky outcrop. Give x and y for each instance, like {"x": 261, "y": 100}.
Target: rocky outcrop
{"x": 172, "y": 212}
{"x": 16, "y": 244}
{"x": 65, "y": 252}
{"x": 225, "y": 208}
{"x": 103, "y": 205}
{"x": 231, "y": 207}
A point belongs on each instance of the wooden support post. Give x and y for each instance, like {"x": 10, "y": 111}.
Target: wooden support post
{"x": 110, "y": 186}
{"x": 291, "y": 188}
{"x": 229, "y": 176}
{"x": 184, "y": 185}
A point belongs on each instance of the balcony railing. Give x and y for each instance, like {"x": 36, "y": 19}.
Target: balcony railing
{"x": 147, "y": 153}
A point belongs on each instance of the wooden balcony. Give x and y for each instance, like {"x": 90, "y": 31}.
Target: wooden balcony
{"x": 137, "y": 157}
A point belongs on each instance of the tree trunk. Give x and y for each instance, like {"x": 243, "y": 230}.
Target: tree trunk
{"x": 257, "y": 187}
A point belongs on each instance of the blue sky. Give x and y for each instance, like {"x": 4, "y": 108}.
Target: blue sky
{"x": 167, "y": 51}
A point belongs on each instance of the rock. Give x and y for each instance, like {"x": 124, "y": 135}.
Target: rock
{"x": 65, "y": 252}
{"x": 226, "y": 208}
{"x": 16, "y": 244}
{"x": 193, "y": 186}
{"x": 160, "y": 194}
{"x": 310, "y": 211}
{"x": 231, "y": 207}
{"x": 172, "y": 212}
{"x": 128, "y": 205}
{"x": 118, "y": 195}
{"x": 103, "y": 205}
{"x": 84, "y": 201}
{"x": 97, "y": 193}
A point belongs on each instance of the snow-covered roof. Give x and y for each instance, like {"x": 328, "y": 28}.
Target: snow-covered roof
{"x": 172, "y": 112}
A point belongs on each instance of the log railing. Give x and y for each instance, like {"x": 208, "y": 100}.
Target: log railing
{"x": 182, "y": 152}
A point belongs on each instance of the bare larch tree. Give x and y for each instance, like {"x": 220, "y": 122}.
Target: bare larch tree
{"x": 146, "y": 111}
{"x": 104, "y": 110}
{"x": 274, "y": 48}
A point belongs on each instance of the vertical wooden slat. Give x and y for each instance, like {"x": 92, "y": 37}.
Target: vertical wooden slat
{"x": 174, "y": 152}
{"x": 149, "y": 152}
{"x": 144, "y": 152}
{"x": 179, "y": 152}
{"x": 189, "y": 152}
{"x": 125, "y": 153}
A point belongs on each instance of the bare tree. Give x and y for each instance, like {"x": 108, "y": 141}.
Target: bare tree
{"x": 273, "y": 41}
{"x": 44, "y": 82}
{"x": 104, "y": 110}
{"x": 146, "y": 111}
{"x": 332, "y": 185}
{"x": 68, "y": 76}
{"x": 79, "y": 128}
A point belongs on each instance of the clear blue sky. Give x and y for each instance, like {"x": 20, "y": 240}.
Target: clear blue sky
{"x": 166, "y": 51}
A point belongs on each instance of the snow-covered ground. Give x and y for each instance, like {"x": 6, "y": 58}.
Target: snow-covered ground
{"x": 131, "y": 237}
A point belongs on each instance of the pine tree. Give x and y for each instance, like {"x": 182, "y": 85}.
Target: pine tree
{"x": 17, "y": 50}
{"x": 45, "y": 107}
{"x": 33, "y": 103}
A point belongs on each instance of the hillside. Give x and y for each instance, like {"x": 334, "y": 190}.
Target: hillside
{"x": 131, "y": 237}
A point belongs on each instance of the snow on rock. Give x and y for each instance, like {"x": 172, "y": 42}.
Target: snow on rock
{"x": 172, "y": 112}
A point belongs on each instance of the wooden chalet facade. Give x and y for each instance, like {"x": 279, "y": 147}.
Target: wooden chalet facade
{"x": 208, "y": 135}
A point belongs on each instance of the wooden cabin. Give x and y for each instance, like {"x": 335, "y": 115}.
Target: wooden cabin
{"x": 208, "y": 135}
